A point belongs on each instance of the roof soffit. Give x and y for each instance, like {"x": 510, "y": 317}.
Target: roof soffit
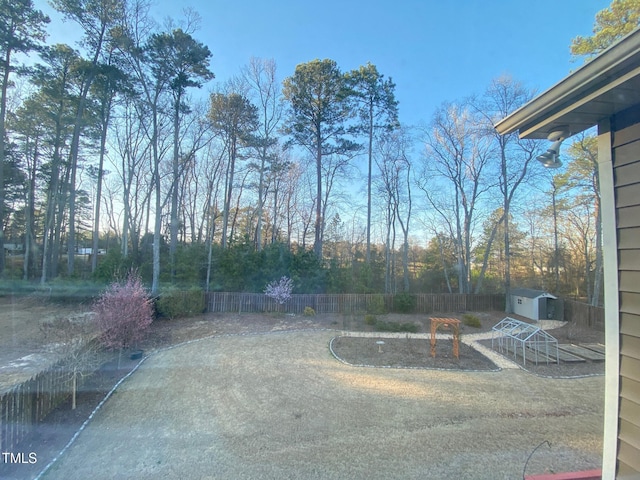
{"x": 606, "y": 85}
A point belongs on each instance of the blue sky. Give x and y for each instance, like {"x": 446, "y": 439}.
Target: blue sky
{"x": 435, "y": 51}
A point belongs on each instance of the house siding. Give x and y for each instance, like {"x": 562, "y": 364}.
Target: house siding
{"x": 626, "y": 171}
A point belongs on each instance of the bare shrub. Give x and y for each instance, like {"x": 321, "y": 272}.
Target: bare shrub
{"x": 75, "y": 341}
{"x": 123, "y": 313}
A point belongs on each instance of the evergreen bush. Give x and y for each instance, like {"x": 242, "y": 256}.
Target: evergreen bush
{"x": 175, "y": 303}
{"x": 370, "y": 319}
{"x": 471, "y": 320}
{"x": 404, "y": 302}
{"x": 376, "y": 305}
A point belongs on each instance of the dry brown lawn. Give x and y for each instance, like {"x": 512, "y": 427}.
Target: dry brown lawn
{"x": 254, "y": 399}
{"x": 279, "y": 405}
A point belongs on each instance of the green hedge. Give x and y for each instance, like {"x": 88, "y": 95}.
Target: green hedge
{"x": 174, "y": 303}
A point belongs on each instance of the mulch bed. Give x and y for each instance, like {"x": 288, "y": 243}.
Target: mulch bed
{"x": 408, "y": 353}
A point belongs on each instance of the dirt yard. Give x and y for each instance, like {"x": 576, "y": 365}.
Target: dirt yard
{"x": 254, "y": 399}
{"x": 279, "y": 405}
{"x": 24, "y": 351}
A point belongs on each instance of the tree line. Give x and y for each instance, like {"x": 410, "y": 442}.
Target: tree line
{"x": 109, "y": 148}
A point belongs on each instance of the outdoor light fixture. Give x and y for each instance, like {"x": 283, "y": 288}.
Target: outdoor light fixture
{"x": 551, "y": 158}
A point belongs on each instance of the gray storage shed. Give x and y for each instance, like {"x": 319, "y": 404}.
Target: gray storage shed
{"x": 533, "y": 304}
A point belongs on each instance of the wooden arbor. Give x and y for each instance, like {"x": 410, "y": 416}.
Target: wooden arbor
{"x": 452, "y": 323}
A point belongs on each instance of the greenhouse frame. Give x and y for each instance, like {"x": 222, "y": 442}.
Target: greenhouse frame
{"x": 518, "y": 337}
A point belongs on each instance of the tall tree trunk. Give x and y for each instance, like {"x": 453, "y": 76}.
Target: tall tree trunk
{"x": 387, "y": 255}
{"x": 405, "y": 232}
{"x": 157, "y": 226}
{"x": 30, "y": 249}
{"x": 74, "y": 150}
{"x": 274, "y": 221}
{"x": 508, "y": 306}
{"x": 96, "y": 220}
{"x": 369, "y": 170}
{"x": 597, "y": 280}
{"x": 3, "y": 114}
{"x": 485, "y": 257}
{"x": 261, "y": 195}
{"x": 71, "y": 237}
{"x": 587, "y": 267}
{"x": 124, "y": 247}
{"x": 59, "y": 200}
{"x": 394, "y": 287}
{"x": 444, "y": 264}
{"x": 211, "y": 226}
{"x": 228, "y": 190}
{"x": 317, "y": 246}
{"x": 237, "y": 209}
{"x": 174, "y": 188}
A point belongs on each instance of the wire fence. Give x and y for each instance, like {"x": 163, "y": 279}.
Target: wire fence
{"x": 24, "y": 405}
{"x": 28, "y": 403}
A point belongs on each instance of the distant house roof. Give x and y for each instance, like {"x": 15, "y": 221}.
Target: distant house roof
{"x": 530, "y": 293}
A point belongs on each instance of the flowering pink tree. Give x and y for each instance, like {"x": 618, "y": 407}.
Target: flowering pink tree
{"x": 280, "y": 291}
{"x": 123, "y": 312}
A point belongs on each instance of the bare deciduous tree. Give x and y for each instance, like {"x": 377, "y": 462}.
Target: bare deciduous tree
{"x": 455, "y": 176}
{"x": 515, "y": 155}
{"x": 261, "y": 77}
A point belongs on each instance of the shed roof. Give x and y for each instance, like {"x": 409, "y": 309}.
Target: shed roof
{"x": 530, "y": 293}
{"x": 605, "y": 86}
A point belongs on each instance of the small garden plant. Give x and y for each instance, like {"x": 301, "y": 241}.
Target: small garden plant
{"x": 309, "y": 312}
{"x": 471, "y": 320}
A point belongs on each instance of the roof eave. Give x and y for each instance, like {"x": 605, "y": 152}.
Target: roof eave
{"x": 569, "y": 89}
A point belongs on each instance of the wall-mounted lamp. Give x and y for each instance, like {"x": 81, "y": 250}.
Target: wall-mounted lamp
{"x": 551, "y": 158}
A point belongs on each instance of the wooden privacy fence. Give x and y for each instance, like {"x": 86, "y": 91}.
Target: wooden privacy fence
{"x": 350, "y": 303}
{"x": 583, "y": 314}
